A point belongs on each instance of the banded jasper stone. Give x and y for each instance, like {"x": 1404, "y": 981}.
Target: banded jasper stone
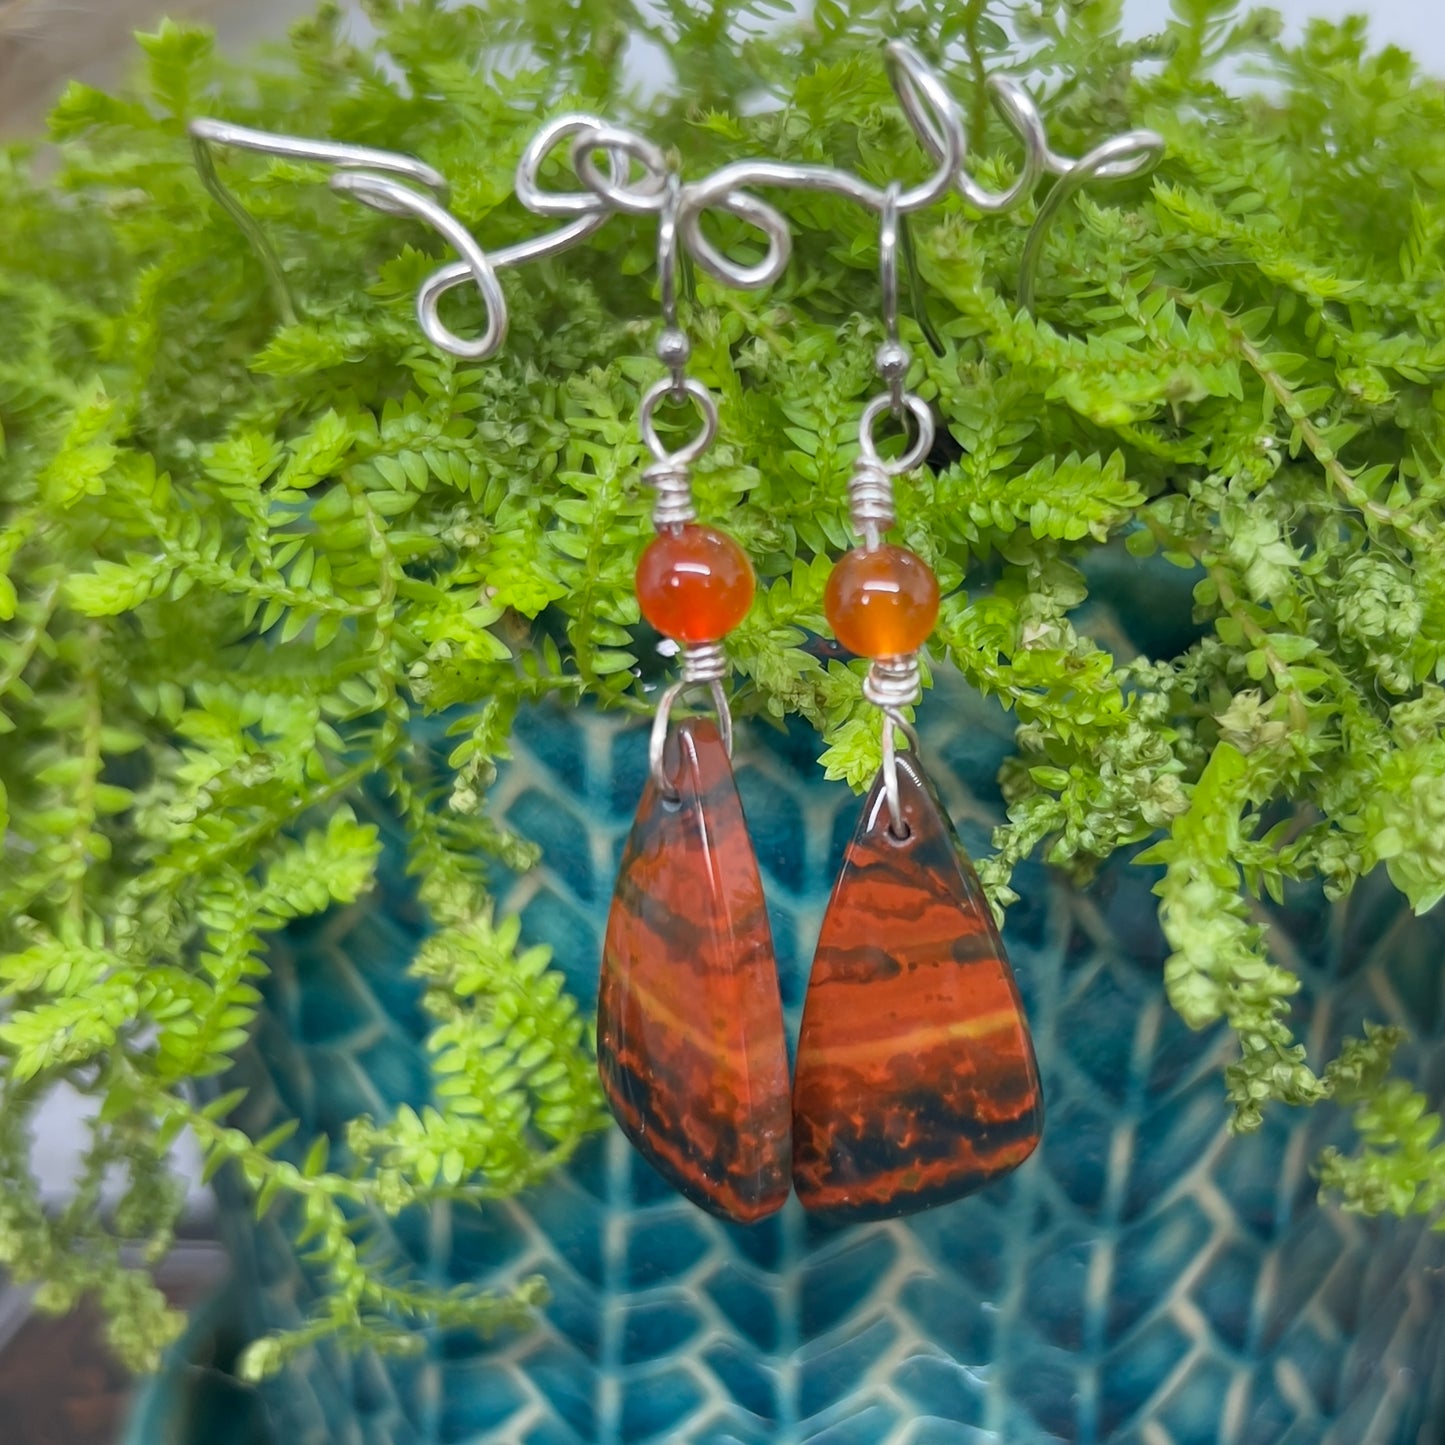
{"x": 916, "y": 1081}
{"x": 690, "y": 1041}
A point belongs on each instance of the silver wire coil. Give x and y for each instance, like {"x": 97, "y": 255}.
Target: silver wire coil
{"x": 704, "y": 662}
{"x": 674, "y": 506}
{"x": 894, "y": 682}
{"x": 870, "y": 499}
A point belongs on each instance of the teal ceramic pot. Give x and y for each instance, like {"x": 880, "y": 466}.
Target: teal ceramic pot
{"x": 1144, "y": 1279}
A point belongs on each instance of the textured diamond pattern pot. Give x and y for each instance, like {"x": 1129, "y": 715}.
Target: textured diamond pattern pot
{"x": 1143, "y": 1279}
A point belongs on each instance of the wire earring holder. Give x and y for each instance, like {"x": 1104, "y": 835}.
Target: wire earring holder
{"x": 636, "y": 179}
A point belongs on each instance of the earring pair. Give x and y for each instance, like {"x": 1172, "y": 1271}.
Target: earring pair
{"x": 915, "y": 1081}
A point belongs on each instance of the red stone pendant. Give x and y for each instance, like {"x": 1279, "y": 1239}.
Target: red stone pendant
{"x": 916, "y": 1081}
{"x": 690, "y": 1040}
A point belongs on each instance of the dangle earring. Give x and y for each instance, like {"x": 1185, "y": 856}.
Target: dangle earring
{"x": 916, "y": 1081}
{"x": 690, "y": 1042}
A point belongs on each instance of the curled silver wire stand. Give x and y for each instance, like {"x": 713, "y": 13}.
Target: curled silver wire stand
{"x": 206, "y": 133}
{"x": 1122, "y": 157}
{"x": 634, "y": 179}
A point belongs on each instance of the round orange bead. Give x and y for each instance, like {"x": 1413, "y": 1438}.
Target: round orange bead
{"x": 694, "y": 584}
{"x": 882, "y": 602}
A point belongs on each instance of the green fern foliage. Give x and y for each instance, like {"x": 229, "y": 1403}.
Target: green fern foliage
{"x": 252, "y": 529}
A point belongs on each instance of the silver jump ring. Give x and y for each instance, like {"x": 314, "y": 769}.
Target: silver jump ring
{"x": 382, "y": 193}
{"x": 648, "y": 195}
{"x": 893, "y": 719}
{"x": 706, "y": 405}
{"x": 922, "y": 444}
{"x": 754, "y": 212}
{"x": 934, "y": 115}
{"x": 657, "y": 740}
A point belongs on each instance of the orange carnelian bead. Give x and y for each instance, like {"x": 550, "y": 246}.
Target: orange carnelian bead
{"x": 695, "y": 584}
{"x": 882, "y": 602}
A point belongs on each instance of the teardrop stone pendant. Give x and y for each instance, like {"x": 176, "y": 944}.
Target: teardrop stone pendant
{"x": 690, "y": 1040}
{"x": 916, "y": 1080}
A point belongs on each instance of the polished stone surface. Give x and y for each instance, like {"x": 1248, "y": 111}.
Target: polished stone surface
{"x": 690, "y": 1043}
{"x": 916, "y": 1081}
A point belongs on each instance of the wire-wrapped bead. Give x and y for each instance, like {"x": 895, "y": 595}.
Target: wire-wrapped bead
{"x": 881, "y": 601}
{"x": 694, "y": 583}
